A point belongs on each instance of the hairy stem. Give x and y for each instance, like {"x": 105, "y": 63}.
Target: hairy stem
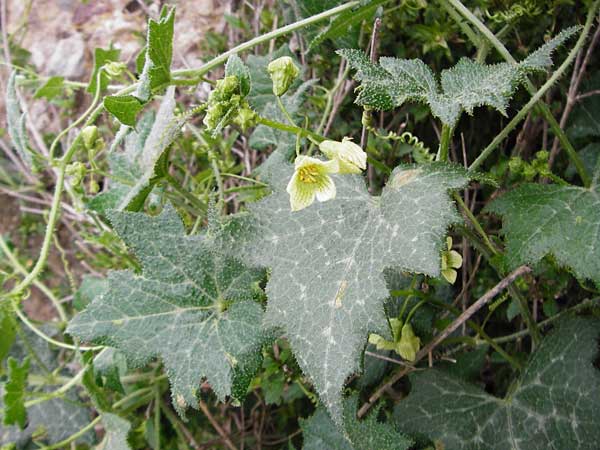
{"x": 445, "y": 139}
{"x": 47, "y": 338}
{"x": 291, "y": 129}
{"x": 588, "y": 303}
{"x": 75, "y": 436}
{"x": 532, "y": 102}
{"x": 41, "y": 286}
{"x": 215, "y": 62}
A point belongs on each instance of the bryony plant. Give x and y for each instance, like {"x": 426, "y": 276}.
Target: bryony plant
{"x": 224, "y": 276}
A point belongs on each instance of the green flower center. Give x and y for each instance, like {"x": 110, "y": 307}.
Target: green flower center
{"x": 308, "y": 174}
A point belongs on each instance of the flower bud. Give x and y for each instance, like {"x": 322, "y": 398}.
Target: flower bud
{"x": 283, "y": 72}
{"x": 76, "y": 171}
{"x": 515, "y": 165}
{"x": 409, "y": 344}
{"x": 89, "y": 135}
{"x": 245, "y": 118}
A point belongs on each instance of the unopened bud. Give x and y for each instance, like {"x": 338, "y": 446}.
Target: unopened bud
{"x": 283, "y": 72}
{"x": 89, "y": 135}
{"x": 409, "y": 344}
{"x": 245, "y": 118}
{"x": 76, "y": 171}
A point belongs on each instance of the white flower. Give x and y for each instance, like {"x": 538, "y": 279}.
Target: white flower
{"x": 311, "y": 179}
{"x": 351, "y": 157}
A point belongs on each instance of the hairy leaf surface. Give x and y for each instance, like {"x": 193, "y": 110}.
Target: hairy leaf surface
{"x": 463, "y": 87}
{"x": 14, "y": 393}
{"x": 191, "y": 305}
{"x": 116, "y": 433}
{"x": 553, "y": 405}
{"x": 124, "y": 166}
{"x": 326, "y": 288}
{"x": 542, "y": 219}
{"x": 158, "y": 54}
{"x": 165, "y": 130}
{"x": 15, "y": 121}
{"x": 320, "y": 432}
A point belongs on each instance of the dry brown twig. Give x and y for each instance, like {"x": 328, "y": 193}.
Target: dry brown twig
{"x": 215, "y": 424}
{"x": 572, "y": 97}
{"x": 489, "y": 295}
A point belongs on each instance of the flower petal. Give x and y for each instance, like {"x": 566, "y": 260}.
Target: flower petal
{"x": 351, "y": 156}
{"x": 322, "y": 166}
{"x": 449, "y": 275}
{"x": 354, "y": 153}
{"x": 301, "y": 195}
{"x": 326, "y": 190}
{"x": 454, "y": 259}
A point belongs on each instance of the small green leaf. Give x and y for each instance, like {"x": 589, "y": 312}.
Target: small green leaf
{"x": 14, "y": 393}
{"x": 236, "y": 67}
{"x": 320, "y": 432}
{"x": 191, "y": 305}
{"x": 51, "y": 88}
{"x": 16, "y": 121}
{"x": 159, "y": 54}
{"x": 553, "y": 404}
{"x": 124, "y": 107}
{"x": 7, "y": 333}
{"x": 102, "y": 57}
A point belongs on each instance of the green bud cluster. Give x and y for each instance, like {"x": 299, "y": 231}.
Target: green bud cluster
{"x": 226, "y": 105}
{"x": 77, "y": 172}
{"x": 529, "y": 170}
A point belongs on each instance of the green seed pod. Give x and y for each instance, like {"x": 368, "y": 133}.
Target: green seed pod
{"x": 283, "y": 72}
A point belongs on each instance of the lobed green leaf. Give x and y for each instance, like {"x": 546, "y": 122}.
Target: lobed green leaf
{"x": 326, "y": 288}
{"x": 553, "y": 404}
{"x": 191, "y": 305}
